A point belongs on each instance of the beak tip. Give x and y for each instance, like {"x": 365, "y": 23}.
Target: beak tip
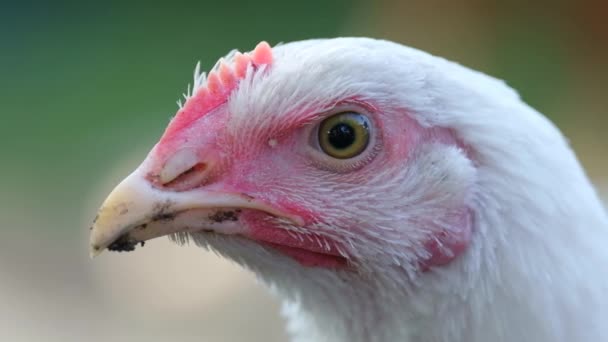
{"x": 95, "y": 251}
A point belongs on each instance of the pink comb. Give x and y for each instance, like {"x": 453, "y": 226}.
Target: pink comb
{"x": 213, "y": 89}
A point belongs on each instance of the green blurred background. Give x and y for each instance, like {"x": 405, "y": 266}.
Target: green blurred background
{"x": 87, "y": 89}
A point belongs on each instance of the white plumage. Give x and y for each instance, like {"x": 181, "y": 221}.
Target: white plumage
{"x": 534, "y": 270}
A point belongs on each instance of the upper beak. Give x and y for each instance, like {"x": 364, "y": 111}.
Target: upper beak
{"x": 136, "y": 211}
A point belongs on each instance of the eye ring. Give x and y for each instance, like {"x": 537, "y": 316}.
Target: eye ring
{"x": 344, "y": 135}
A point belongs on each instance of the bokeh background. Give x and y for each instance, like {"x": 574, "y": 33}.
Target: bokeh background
{"x": 85, "y": 90}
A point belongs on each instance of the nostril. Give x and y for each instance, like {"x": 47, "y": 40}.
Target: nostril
{"x": 181, "y": 171}
{"x": 188, "y": 179}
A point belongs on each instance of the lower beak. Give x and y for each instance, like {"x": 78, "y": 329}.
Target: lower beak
{"x": 136, "y": 211}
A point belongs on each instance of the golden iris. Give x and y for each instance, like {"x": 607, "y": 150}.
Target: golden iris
{"x": 344, "y": 135}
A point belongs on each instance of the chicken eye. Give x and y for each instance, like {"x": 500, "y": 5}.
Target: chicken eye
{"x": 344, "y": 135}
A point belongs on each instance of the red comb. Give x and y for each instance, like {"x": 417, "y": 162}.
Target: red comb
{"x": 211, "y": 91}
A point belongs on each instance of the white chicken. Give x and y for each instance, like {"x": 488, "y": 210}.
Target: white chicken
{"x": 385, "y": 194}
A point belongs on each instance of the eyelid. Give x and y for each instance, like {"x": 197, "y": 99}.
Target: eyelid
{"x": 347, "y": 107}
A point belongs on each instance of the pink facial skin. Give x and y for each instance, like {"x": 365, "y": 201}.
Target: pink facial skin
{"x": 280, "y": 174}
{"x": 304, "y": 248}
{"x": 444, "y": 247}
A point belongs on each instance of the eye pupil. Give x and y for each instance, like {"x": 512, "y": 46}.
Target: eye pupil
{"x": 341, "y": 136}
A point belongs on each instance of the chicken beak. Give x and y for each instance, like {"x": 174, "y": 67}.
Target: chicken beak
{"x": 136, "y": 211}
